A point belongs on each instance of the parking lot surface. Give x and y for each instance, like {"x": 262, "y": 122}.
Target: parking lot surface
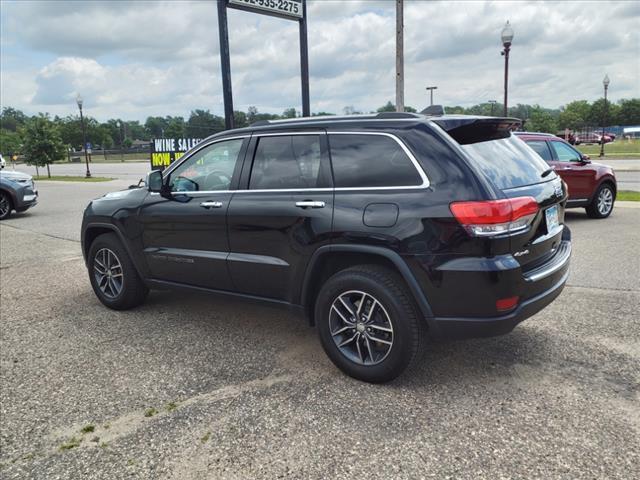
{"x": 195, "y": 387}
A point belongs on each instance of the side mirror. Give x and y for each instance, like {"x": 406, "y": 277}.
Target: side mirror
{"x": 154, "y": 181}
{"x": 585, "y": 158}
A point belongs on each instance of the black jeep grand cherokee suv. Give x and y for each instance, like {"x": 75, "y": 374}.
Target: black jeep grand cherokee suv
{"x": 380, "y": 229}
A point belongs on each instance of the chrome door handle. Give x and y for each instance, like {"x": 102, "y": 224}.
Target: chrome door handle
{"x": 310, "y": 204}
{"x": 210, "y": 204}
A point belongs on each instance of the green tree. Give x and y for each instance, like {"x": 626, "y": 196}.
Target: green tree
{"x": 289, "y": 113}
{"x": 629, "y": 113}
{"x": 155, "y": 127}
{"x": 240, "y": 119}
{"x": 175, "y": 127}
{"x": 9, "y": 142}
{"x": 203, "y": 123}
{"x": 12, "y": 119}
{"x": 598, "y": 114}
{"x": 387, "y": 107}
{"x": 41, "y": 142}
{"x": 574, "y": 115}
{"x": 541, "y": 120}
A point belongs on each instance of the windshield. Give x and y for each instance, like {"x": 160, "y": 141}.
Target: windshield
{"x": 508, "y": 162}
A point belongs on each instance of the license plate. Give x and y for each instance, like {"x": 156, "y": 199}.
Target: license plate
{"x": 551, "y": 215}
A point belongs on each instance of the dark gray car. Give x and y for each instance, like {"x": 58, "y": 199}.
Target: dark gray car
{"x": 17, "y": 192}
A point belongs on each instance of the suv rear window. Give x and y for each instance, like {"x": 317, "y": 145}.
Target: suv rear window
{"x": 508, "y": 162}
{"x": 286, "y": 162}
{"x": 370, "y": 161}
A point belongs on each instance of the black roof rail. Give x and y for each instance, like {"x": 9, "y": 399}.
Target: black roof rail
{"x": 397, "y": 115}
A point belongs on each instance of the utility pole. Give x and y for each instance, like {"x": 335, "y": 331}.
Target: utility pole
{"x": 399, "y": 56}
{"x": 304, "y": 61}
{"x": 225, "y": 64}
{"x": 431, "y": 89}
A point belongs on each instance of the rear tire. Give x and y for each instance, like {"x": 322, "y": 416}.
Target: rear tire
{"x": 113, "y": 276}
{"x": 375, "y": 332}
{"x": 6, "y": 206}
{"x": 602, "y": 204}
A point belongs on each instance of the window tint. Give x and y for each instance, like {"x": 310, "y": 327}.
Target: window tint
{"x": 541, "y": 148}
{"x": 291, "y": 161}
{"x": 208, "y": 169}
{"x": 371, "y": 161}
{"x": 508, "y": 162}
{"x": 565, "y": 153}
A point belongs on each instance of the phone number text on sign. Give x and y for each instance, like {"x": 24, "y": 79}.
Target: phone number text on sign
{"x": 286, "y": 8}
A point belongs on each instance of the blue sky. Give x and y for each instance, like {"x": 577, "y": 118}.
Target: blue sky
{"x": 132, "y": 59}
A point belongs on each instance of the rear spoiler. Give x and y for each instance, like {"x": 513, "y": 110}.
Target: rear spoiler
{"x": 466, "y": 130}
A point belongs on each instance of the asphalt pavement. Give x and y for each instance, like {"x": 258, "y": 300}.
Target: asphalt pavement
{"x": 193, "y": 387}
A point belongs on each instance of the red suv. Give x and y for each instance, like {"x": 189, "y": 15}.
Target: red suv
{"x": 591, "y": 185}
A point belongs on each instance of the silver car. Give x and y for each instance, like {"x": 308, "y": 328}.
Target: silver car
{"x": 17, "y": 192}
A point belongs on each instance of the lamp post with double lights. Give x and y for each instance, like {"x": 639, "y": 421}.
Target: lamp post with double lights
{"x": 605, "y": 83}
{"x": 507, "y": 38}
{"x": 79, "y": 101}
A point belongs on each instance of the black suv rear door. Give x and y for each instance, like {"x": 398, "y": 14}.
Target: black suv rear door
{"x": 281, "y": 213}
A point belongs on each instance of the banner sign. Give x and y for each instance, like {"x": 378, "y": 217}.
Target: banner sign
{"x": 165, "y": 151}
{"x": 291, "y": 9}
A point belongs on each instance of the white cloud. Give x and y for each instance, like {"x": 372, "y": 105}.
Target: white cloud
{"x": 155, "y": 58}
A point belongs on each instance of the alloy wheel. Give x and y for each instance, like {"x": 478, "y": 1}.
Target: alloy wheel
{"x": 4, "y": 206}
{"x": 107, "y": 271}
{"x": 605, "y": 201}
{"x": 361, "y": 327}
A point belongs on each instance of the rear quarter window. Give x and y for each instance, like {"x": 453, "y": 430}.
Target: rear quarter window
{"x": 508, "y": 162}
{"x": 360, "y": 160}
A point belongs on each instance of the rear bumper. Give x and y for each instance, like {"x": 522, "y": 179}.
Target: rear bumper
{"x": 458, "y": 328}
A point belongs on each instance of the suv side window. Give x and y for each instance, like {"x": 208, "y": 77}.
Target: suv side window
{"x": 565, "y": 153}
{"x": 208, "y": 169}
{"x": 287, "y": 162}
{"x": 541, "y": 148}
{"x": 370, "y": 161}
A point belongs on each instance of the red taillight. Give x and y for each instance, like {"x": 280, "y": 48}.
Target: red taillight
{"x": 505, "y": 304}
{"x": 493, "y": 217}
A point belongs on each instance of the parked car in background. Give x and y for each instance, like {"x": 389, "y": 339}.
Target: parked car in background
{"x": 380, "y": 229}
{"x": 17, "y": 192}
{"x": 592, "y": 137}
{"x": 591, "y": 185}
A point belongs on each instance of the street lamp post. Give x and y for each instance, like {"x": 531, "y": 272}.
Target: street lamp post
{"x": 605, "y": 83}
{"x": 119, "y": 125}
{"x": 507, "y": 37}
{"x": 431, "y": 89}
{"x": 493, "y": 104}
{"x": 84, "y": 135}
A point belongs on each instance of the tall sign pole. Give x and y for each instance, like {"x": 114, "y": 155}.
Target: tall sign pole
{"x": 399, "y": 56}
{"x": 304, "y": 62}
{"x": 225, "y": 64}
{"x": 289, "y": 10}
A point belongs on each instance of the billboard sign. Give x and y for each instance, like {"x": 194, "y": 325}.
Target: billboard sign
{"x": 165, "y": 151}
{"x": 291, "y": 9}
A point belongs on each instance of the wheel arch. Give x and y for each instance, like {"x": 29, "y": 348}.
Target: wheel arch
{"x": 12, "y": 195}
{"x": 330, "y": 259}
{"x": 94, "y": 230}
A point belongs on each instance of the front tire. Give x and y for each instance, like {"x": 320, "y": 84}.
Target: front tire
{"x": 368, "y": 323}
{"x": 5, "y": 206}
{"x": 602, "y": 204}
{"x": 113, "y": 276}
